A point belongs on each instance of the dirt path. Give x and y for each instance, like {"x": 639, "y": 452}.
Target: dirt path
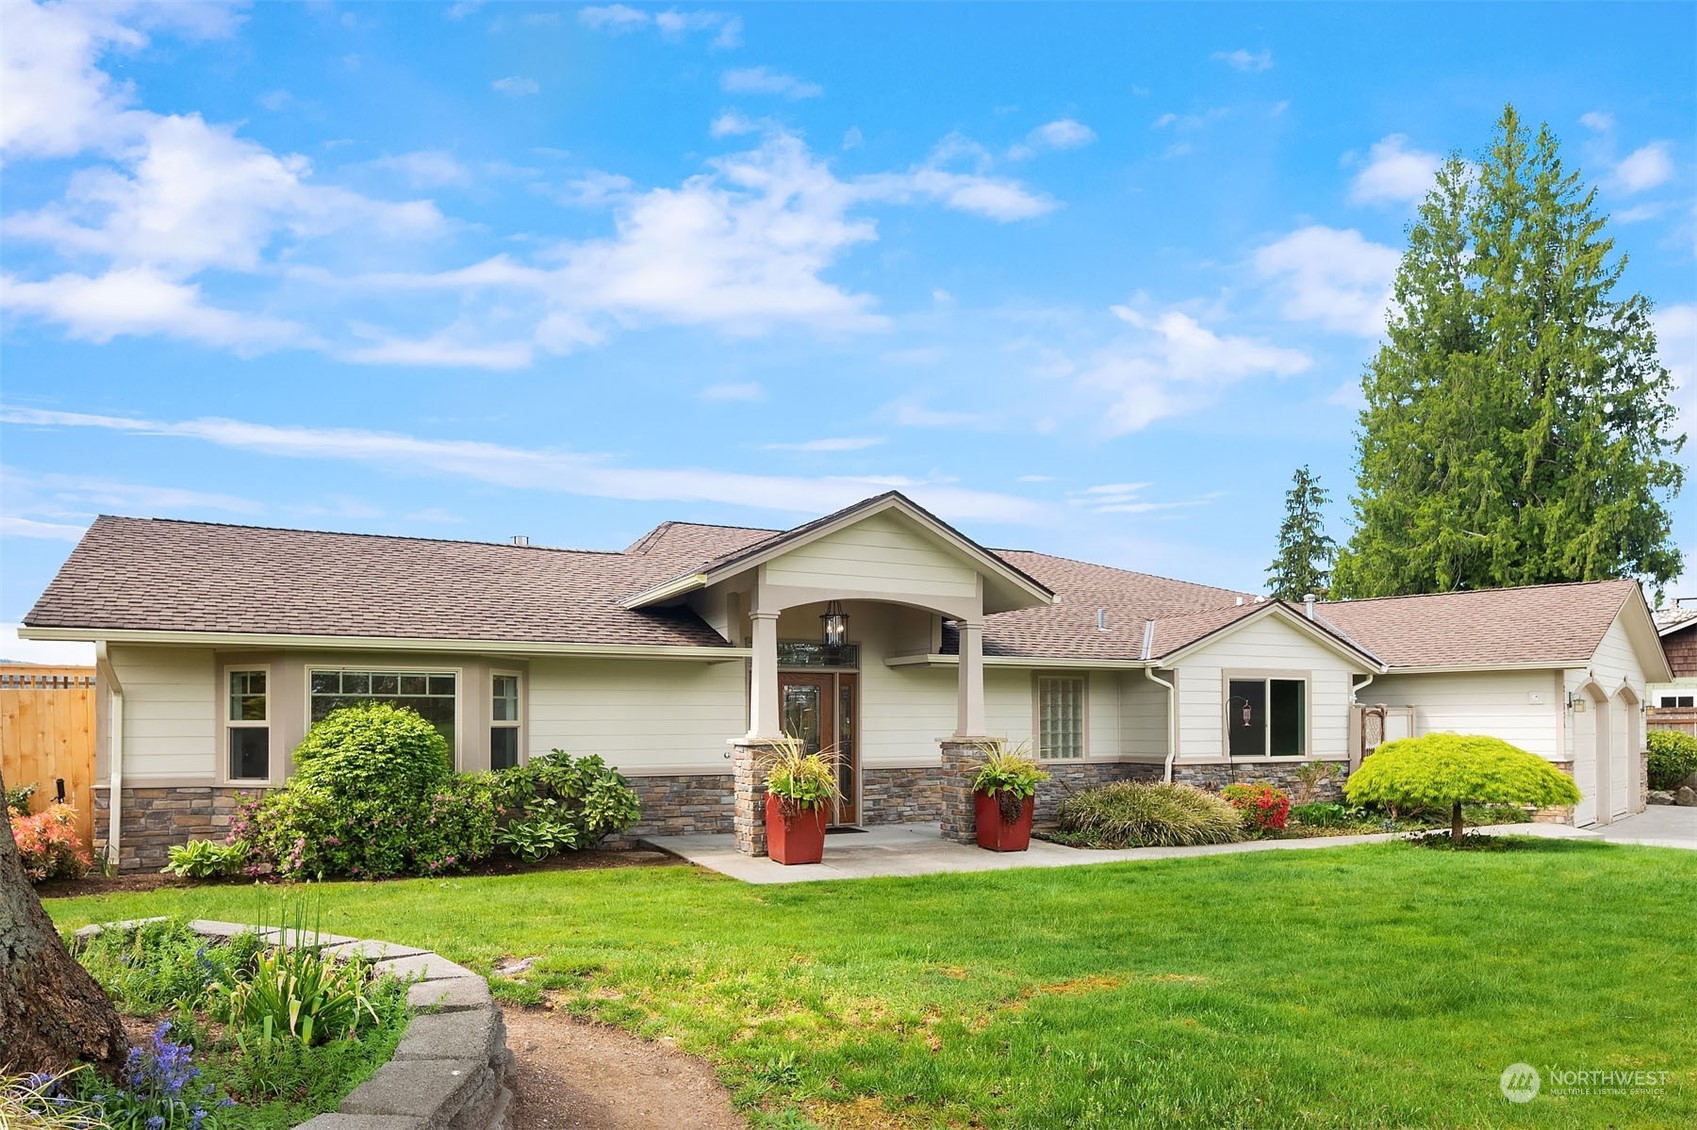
{"x": 577, "y": 1076}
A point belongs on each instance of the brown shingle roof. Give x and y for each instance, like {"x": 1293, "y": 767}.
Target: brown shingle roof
{"x": 164, "y": 575}
{"x": 1553, "y": 624}
{"x": 160, "y": 575}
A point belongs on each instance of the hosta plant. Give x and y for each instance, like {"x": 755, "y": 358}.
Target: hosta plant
{"x": 206, "y": 859}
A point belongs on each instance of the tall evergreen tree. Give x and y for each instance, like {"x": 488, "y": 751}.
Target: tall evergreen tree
{"x": 1304, "y": 561}
{"x": 1518, "y": 427}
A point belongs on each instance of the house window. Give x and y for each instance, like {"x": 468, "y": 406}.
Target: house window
{"x": 247, "y": 724}
{"x": 1060, "y": 717}
{"x": 1679, "y": 700}
{"x": 1266, "y": 717}
{"x": 504, "y": 723}
{"x": 429, "y": 693}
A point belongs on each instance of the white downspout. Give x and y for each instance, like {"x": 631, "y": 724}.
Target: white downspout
{"x": 1356, "y": 752}
{"x": 1172, "y": 720}
{"x": 114, "y": 750}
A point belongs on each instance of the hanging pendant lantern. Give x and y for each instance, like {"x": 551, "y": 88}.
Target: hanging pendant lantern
{"x": 833, "y": 625}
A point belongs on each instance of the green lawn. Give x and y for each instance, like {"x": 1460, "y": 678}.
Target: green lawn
{"x": 1384, "y": 985}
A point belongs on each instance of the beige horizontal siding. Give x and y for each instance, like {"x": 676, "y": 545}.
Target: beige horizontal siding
{"x": 1480, "y": 702}
{"x": 881, "y": 555}
{"x": 637, "y": 714}
{"x": 170, "y": 710}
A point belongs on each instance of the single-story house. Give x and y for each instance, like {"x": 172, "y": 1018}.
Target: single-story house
{"x": 879, "y": 629}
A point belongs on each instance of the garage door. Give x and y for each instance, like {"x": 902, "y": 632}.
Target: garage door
{"x": 1622, "y": 713}
{"x": 1585, "y": 762}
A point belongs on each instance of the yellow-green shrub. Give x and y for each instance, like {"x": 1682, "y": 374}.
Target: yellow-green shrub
{"x": 1450, "y": 770}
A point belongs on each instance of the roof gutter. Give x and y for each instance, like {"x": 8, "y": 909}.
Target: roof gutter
{"x": 114, "y": 750}
{"x": 392, "y": 643}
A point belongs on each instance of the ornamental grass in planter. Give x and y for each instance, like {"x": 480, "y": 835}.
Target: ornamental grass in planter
{"x": 800, "y": 788}
{"x": 1004, "y": 792}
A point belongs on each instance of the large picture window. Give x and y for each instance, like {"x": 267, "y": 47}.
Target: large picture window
{"x": 1060, "y": 717}
{"x": 504, "y": 723}
{"x": 247, "y": 726}
{"x": 1267, "y": 717}
{"x": 429, "y": 693}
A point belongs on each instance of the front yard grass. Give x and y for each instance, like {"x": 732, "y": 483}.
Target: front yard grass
{"x": 1381, "y": 985}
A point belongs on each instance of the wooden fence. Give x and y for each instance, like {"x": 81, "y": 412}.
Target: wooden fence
{"x": 1681, "y": 718}
{"x": 47, "y": 735}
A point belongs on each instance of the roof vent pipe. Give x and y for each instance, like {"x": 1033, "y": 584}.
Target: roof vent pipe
{"x": 1101, "y": 619}
{"x": 1148, "y": 637}
{"x": 520, "y": 539}
{"x": 1240, "y": 602}
{"x": 1308, "y": 603}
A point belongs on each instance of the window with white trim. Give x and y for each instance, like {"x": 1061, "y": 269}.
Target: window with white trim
{"x": 430, "y": 694}
{"x": 1678, "y": 701}
{"x": 1060, "y": 717}
{"x": 247, "y": 726}
{"x": 1266, "y": 717}
{"x": 504, "y": 722}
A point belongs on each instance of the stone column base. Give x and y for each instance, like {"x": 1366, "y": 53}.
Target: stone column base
{"x": 748, "y": 794}
{"x": 961, "y": 758}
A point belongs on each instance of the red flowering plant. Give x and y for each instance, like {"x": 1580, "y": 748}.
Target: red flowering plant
{"x": 1265, "y": 808}
{"x": 47, "y": 845}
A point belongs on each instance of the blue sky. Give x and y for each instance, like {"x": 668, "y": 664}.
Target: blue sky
{"x": 1088, "y": 279}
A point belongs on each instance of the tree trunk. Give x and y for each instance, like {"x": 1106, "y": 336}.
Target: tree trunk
{"x": 53, "y": 1014}
{"x": 1455, "y": 824}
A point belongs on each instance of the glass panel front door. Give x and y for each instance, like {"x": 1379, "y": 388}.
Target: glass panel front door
{"x": 818, "y": 709}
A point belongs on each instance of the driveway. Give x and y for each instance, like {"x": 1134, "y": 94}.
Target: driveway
{"x": 1660, "y": 825}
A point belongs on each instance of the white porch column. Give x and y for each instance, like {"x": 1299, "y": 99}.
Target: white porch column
{"x": 763, "y": 687}
{"x": 970, "y": 699}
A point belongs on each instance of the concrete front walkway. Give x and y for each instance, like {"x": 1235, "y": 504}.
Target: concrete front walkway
{"x": 918, "y": 849}
{"x": 1660, "y": 825}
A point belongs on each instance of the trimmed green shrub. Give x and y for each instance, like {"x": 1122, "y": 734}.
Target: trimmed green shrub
{"x": 1265, "y": 808}
{"x": 373, "y": 751}
{"x": 1673, "y": 757}
{"x": 1331, "y": 815}
{"x": 1128, "y": 814}
{"x": 555, "y": 802}
{"x": 1451, "y": 770}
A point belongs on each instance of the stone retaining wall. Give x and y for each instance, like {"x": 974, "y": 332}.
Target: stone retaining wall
{"x": 682, "y": 804}
{"x": 901, "y": 796}
{"x": 449, "y": 1071}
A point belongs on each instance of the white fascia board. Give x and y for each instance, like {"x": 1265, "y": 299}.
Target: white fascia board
{"x": 1022, "y": 661}
{"x": 1466, "y": 668}
{"x": 673, "y": 588}
{"x": 266, "y": 641}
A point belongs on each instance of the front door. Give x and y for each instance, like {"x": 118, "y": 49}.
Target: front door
{"x": 819, "y": 709}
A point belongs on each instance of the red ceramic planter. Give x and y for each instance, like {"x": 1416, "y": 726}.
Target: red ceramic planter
{"x": 996, "y": 834}
{"x": 798, "y": 839}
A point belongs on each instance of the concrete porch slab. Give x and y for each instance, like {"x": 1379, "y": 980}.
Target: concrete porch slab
{"x": 1660, "y": 825}
{"x": 919, "y": 849}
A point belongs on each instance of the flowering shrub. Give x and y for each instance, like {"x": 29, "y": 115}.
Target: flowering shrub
{"x": 47, "y": 845}
{"x": 1265, "y": 808}
{"x": 456, "y": 828}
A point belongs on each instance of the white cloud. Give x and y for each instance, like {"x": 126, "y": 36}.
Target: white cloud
{"x": 1249, "y": 62}
{"x": 595, "y": 189}
{"x": 1169, "y": 364}
{"x": 1063, "y": 133}
{"x": 56, "y": 495}
{"x": 137, "y": 301}
{"x": 444, "y": 350}
{"x": 1127, "y": 498}
{"x": 764, "y": 80}
{"x": 426, "y": 168}
{"x": 516, "y": 86}
{"x": 911, "y": 413}
{"x": 16, "y": 526}
{"x": 617, "y": 19}
{"x": 1597, "y": 121}
{"x": 1676, "y": 345}
{"x": 1644, "y": 168}
{"x": 50, "y": 653}
{"x": 1334, "y": 277}
{"x": 553, "y": 470}
{"x": 1394, "y": 173}
{"x": 744, "y": 392}
{"x": 837, "y": 443}
{"x": 732, "y": 124}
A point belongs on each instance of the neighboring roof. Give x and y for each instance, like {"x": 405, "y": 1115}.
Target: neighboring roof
{"x": 1012, "y": 581}
{"x": 1676, "y": 618}
{"x": 1557, "y": 625}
